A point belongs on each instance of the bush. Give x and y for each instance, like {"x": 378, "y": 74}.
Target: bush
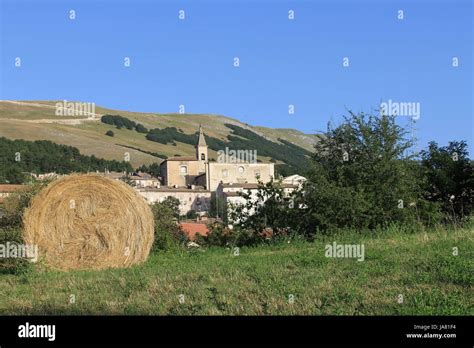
{"x": 268, "y": 207}
{"x": 168, "y": 232}
{"x": 11, "y": 228}
{"x": 110, "y": 133}
{"x": 221, "y": 235}
{"x": 14, "y": 205}
{"x": 449, "y": 179}
{"x": 191, "y": 215}
{"x": 16, "y": 265}
{"x": 140, "y": 128}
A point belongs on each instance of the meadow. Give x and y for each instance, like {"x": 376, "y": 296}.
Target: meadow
{"x": 428, "y": 273}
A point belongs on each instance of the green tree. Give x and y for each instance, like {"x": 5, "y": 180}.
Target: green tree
{"x": 362, "y": 176}
{"x": 450, "y": 179}
{"x": 173, "y": 204}
{"x": 152, "y": 169}
{"x": 168, "y": 232}
{"x": 267, "y": 207}
{"x": 140, "y": 128}
{"x": 14, "y": 175}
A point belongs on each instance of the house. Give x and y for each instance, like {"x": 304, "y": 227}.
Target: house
{"x": 141, "y": 180}
{"x": 138, "y": 179}
{"x": 197, "y": 199}
{"x": 294, "y": 180}
{"x": 45, "y": 176}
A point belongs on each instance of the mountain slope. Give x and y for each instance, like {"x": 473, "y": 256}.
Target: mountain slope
{"x": 36, "y": 120}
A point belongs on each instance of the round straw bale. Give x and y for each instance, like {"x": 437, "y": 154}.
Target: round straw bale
{"x": 89, "y": 222}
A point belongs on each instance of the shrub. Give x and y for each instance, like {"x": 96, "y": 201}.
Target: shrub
{"x": 16, "y": 265}
{"x": 449, "y": 179}
{"x": 221, "y": 235}
{"x": 268, "y": 207}
{"x": 11, "y": 226}
{"x": 191, "y": 214}
{"x": 168, "y": 233}
{"x": 14, "y": 205}
{"x": 110, "y": 133}
{"x": 140, "y": 128}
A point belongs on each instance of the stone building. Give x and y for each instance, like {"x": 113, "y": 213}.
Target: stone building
{"x": 199, "y": 171}
{"x": 196, "y": 199}
{"x": 184, "y": 171}
{"x": 238, "y": 173}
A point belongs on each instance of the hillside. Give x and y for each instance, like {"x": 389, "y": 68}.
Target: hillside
{"x": 36, "y": 120}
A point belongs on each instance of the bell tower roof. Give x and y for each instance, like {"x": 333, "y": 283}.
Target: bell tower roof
{"x": 202, "y": 139}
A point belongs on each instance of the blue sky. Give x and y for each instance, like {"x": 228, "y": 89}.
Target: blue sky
{"x": 282, "y": 61}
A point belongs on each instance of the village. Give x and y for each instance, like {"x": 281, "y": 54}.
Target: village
{"x": 195, "y": 181}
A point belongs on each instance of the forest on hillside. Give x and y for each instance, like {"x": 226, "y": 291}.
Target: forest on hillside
{"x": 20, "y": 157}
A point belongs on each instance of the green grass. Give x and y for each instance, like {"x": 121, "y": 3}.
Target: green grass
{"x": 260, "y": 280}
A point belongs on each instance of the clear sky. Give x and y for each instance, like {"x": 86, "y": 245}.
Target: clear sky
{"x": 282, "y": 61}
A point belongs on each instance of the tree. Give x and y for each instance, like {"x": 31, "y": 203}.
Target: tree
{"x": 14, "y": 175}
{"x": 191, "y": 215}
{"x": 140, "y": 128}
{"x": 173, "y": 204}
{"x": 450, "y": 179}
{"x": 168, "y": 233}
{"x": 110, "y": 133}
{"x": 153, "y": 169}
{"x": 362, "y": 177}
{"x": 267, "y": 207}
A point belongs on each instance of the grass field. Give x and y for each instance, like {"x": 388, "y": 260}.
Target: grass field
{"x": 261, "y": 281}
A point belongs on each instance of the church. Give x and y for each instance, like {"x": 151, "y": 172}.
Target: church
{"x": 200, "y": 171}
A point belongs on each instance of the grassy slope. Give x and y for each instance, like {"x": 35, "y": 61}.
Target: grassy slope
{"x": 89, "y": 137}
{"x": 259, "y": 281}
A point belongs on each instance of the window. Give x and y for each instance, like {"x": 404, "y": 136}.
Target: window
{"x": 225, "y": 173}
{"x": 183, "y": 170}
{"x": 241, "y": 170}
{"x": 203, "y": 157}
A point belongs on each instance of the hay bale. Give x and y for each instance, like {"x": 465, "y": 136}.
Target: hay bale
{"x": 89, "y": 222}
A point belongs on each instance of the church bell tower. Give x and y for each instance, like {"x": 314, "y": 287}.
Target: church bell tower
{"x": 201, "y": 151}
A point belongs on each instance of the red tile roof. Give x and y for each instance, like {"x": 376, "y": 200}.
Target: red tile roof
{"x": 193, "y": 228}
